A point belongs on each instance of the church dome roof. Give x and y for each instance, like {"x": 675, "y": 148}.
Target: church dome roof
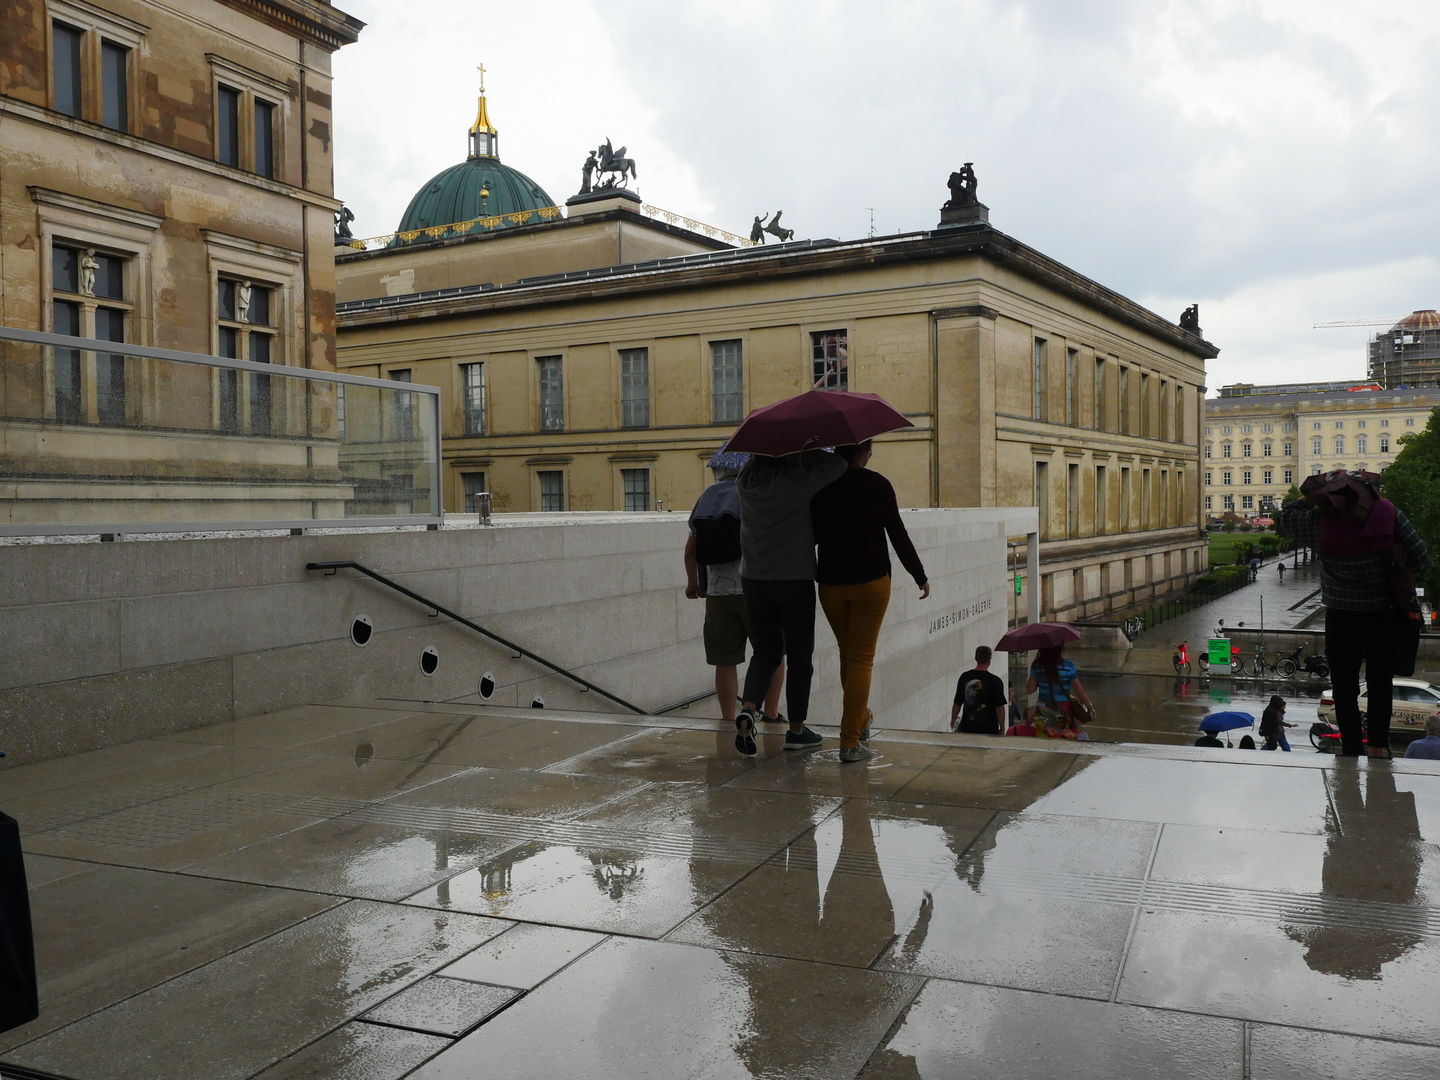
{"x": 480, "y": 187}
{"x": 1426, "y": 319}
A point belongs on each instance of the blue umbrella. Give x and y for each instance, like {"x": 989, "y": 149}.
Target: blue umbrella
{"x": 1226, "y": 721}
{"x": 728, "y": 459}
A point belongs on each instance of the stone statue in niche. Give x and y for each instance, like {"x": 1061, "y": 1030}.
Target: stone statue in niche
{"x": 343, "y": 217}
{"x": 587, "y": 171}
{"x": 963, "y": 186}
{"x": 242, "y": 301}
{"x": 1190, "y": 319}
{"x": 88, "y": 265}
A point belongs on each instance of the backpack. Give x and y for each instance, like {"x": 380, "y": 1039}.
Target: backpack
{"x": 717, "y": 540}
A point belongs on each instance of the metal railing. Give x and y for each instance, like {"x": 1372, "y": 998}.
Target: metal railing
{"x": 109, "y": 437}
{"x": 1155, "y": 614}
{"x": 347, "y": 564}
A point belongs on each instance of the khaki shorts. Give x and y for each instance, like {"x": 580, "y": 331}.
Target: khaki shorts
{"x": 727, "y": 629}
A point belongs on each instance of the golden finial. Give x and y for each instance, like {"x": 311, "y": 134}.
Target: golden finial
{"x": 481, "y": 69}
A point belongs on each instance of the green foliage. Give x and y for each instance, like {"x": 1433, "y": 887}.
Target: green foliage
{"x": 1244, "y": 526}
{"x": 1269, "y": 544}
{"x": 1412, "y": 482}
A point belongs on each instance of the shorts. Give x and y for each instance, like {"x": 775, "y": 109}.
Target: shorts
{"x": 727, "y": 629}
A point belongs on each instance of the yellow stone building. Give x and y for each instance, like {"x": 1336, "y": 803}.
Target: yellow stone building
{"x": 1257, "y": 445}
{"x": 574, "y": 381}
{"x": 165, "y": 180}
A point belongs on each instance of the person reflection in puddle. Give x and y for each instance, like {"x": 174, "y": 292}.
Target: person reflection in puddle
{"x": 1375, "y": 859}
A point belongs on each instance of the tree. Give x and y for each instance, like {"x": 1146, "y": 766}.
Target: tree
{"x": 1412, "y": 482}
{"x": 1289, "y": 497}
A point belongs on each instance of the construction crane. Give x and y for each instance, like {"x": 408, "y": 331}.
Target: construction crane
{"x": 1357, "y": 322}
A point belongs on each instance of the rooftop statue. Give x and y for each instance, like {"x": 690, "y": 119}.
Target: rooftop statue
{"x": 962, "y": 187}
{"x": 615, "y": 163}
{"x": 774, "y": 229}
{"x": 1190, "y": 319}
{"x": 343, "y": 217}
{"x": 586, "y": 171}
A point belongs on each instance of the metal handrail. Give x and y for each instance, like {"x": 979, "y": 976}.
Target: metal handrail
{"x": 348, "y": 564}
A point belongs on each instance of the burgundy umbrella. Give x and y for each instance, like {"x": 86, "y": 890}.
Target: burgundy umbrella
{"x": 1040, "y": 635}
{"x": 813, "y": 419}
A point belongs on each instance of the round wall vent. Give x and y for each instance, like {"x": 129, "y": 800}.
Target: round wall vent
{"x": 361, "y": 630}
{"x": 429, "y": 660}
{"x": 487, "y": 686}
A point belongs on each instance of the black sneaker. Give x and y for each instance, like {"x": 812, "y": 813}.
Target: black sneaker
{"x": 745, "y": 732}
{"x": 804, "y": 739}
{"x": 778, "y": 718}
{"x": 865, "y": 733}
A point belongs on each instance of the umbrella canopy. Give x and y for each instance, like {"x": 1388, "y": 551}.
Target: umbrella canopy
{"x": 1227, "y": 721}
{"x": 1040, "y": 635}
{"x": 724, "y": 459}
{"x": 813, "y": 419}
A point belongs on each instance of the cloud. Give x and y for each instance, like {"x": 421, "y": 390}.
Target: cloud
{"x": 1273, "y": 160}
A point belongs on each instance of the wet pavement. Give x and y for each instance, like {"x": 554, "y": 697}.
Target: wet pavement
{"x": 376, "y": 893}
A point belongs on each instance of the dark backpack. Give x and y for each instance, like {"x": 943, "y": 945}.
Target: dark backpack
{"x": 717, "y": 540}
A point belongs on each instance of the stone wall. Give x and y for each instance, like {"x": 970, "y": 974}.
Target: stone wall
{"x": 106, "y": 643}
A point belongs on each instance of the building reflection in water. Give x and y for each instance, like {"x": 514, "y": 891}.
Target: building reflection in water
{"x": 1373, "y": 854}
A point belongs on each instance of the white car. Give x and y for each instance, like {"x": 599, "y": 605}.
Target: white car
{"x": 1415, "y": 701}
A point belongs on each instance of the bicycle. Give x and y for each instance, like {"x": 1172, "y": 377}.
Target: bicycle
{"x": 1260, "y": 667}
{"x": 1132, "y": 626}
{"x": 1181, "y": 660}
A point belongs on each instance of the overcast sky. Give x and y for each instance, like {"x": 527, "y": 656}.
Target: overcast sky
{"x": 1275, "y": 162}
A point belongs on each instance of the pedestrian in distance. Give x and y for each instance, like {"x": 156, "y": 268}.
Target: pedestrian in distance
{"x": 852, "y": 517}
{"x": 1273, "y": 725}
{"x": 1063, "y": 704}
{"x": 1282, "y": 571}
{"x": 777, "y": 574}
{"x": 712, "y": 572}
{"x": 1255, "y": 568}
{"x": 979, "y": 707}
{"x": 1370, "y": 555}
{"x": 1429, "y": 746}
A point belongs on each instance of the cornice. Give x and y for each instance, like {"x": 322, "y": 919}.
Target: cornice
{"x": 310, "y": 21}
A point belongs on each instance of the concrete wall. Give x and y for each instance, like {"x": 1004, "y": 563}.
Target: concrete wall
{"x": 106, "y": 643}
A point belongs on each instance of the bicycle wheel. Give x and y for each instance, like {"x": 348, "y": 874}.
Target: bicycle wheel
{"x": 1182, "y": 669}
{"x": 1286, "y": 668}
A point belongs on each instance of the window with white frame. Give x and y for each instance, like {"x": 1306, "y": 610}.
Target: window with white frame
{"x": 1245, "y": 429}
{"x": 1361, "y": 443}
{"x": 1227, "y": 502}
{"x": 1339, "y": 444}
{"x": 1225, "y": 477}
{"x": 1265, "y": 429}
{"x": 1209, "y": 502}
{"x": 1207, "y": 450}
{"x": 830, "y": 360}
{"x": 1289, "y": 449}
{"x": 1315, "y": 445}
{"x": 1384, "y": 444}
{"x": 1384, "y": 423}
{"x": 1225, "y": 450}
{"x": 1208, "y": 429}
{"x": 1208, "y": 475}
{"x": 1289, "y": 476}
{"x": 551, "y": 381}
{"x": 1245, "y": 476}
{"x": 634, "y": 388}
{"x": 1339, "y": 425}
{"x": 1245, "y": 449}
{"x": 1410, "y": 421}
{"x": 1361, "y": 424}
{"x": 1268, "y": 476}
{"x": 637, "y": 488}
{"x": 1315, "y": 425}
{"x": 1247, "y": 502}
{"x": 1314, "y": 470}
{"x": 1225, "y": 430}
{"x": 472, "y": 400}
{"x": 1267, "y": 449}
{"x": 727, "y": 382}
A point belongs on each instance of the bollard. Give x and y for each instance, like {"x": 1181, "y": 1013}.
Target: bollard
{"x": 483, "y": 500}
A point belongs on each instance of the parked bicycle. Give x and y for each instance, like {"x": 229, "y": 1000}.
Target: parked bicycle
{"x": 1132, "y": 626}
{"x": 1316, "y": 665}
{"x": 1181, "y": 660}
{"x": 1259, "y": 667}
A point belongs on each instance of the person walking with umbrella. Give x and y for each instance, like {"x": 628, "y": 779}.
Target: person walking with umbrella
{"x": 852, "y": 517}
{"x": 777, "y": 539}
{"x": 1058, "y": 683}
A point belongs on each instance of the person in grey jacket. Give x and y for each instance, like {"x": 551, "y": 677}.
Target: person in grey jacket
{"x": 777, "y": 574}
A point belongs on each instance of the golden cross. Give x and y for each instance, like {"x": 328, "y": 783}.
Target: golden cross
{"x": 481, "y": 69}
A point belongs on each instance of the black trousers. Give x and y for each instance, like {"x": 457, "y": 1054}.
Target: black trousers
{"x": 782, "y": 620}
{"x": 1353, "y": 637}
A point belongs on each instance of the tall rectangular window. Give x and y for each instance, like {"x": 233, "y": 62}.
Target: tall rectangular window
{"x": 245, "y": 331}
{"x": 727, "y": 382}
{"x": 404, "y": 406}
{"x": 1361, "y": 442}
{"x": 115, "y": 86}
{"x": 227, "y": 127}
{"x": 552, "y": 393}
{"x": 1124, "y": 427}
{"x": 1038, "y": 376}
{"x": 1164, "y": 410}
{"x": 66, "y": 320}
{"x": 1071, "y": 356}
{"x": 1100, "y": 493}
{"x": 1145, "y": 500}
{"x": 472, "y": 403}
{"x": 1099, "y": 424}
{"x": 1125, "y": 499}
{"x": 1289, "y": 476}
{"x": 637, "y": 488}
{"x": 65, "y": 65}
{"x": 552, "y": 490}
{"x": 1268, "y": 476}
{"x": 474, "y": 485}
{"x": 1072, "y": 500}
{"x": 1145, "y": 426}
{"x": 1042, "y": 497}
{"x": 634, "y": 388}
{"x": 110, "y": 368}
{"x": 264, "y": 138}
{"x": 830, "y": 360}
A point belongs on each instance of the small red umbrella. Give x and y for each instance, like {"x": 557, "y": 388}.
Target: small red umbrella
{"x": 1040, "y": 635}
{"x": 813, "y": 419}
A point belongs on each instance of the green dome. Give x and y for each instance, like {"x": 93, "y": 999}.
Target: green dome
{"x": 454, "y": 196}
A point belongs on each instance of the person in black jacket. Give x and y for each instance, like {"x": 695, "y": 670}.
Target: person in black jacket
{"x": 851, "y": 518}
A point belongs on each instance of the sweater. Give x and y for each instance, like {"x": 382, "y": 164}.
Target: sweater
{"x": 777, "y": 541}
{"x": 851, "y": 518}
